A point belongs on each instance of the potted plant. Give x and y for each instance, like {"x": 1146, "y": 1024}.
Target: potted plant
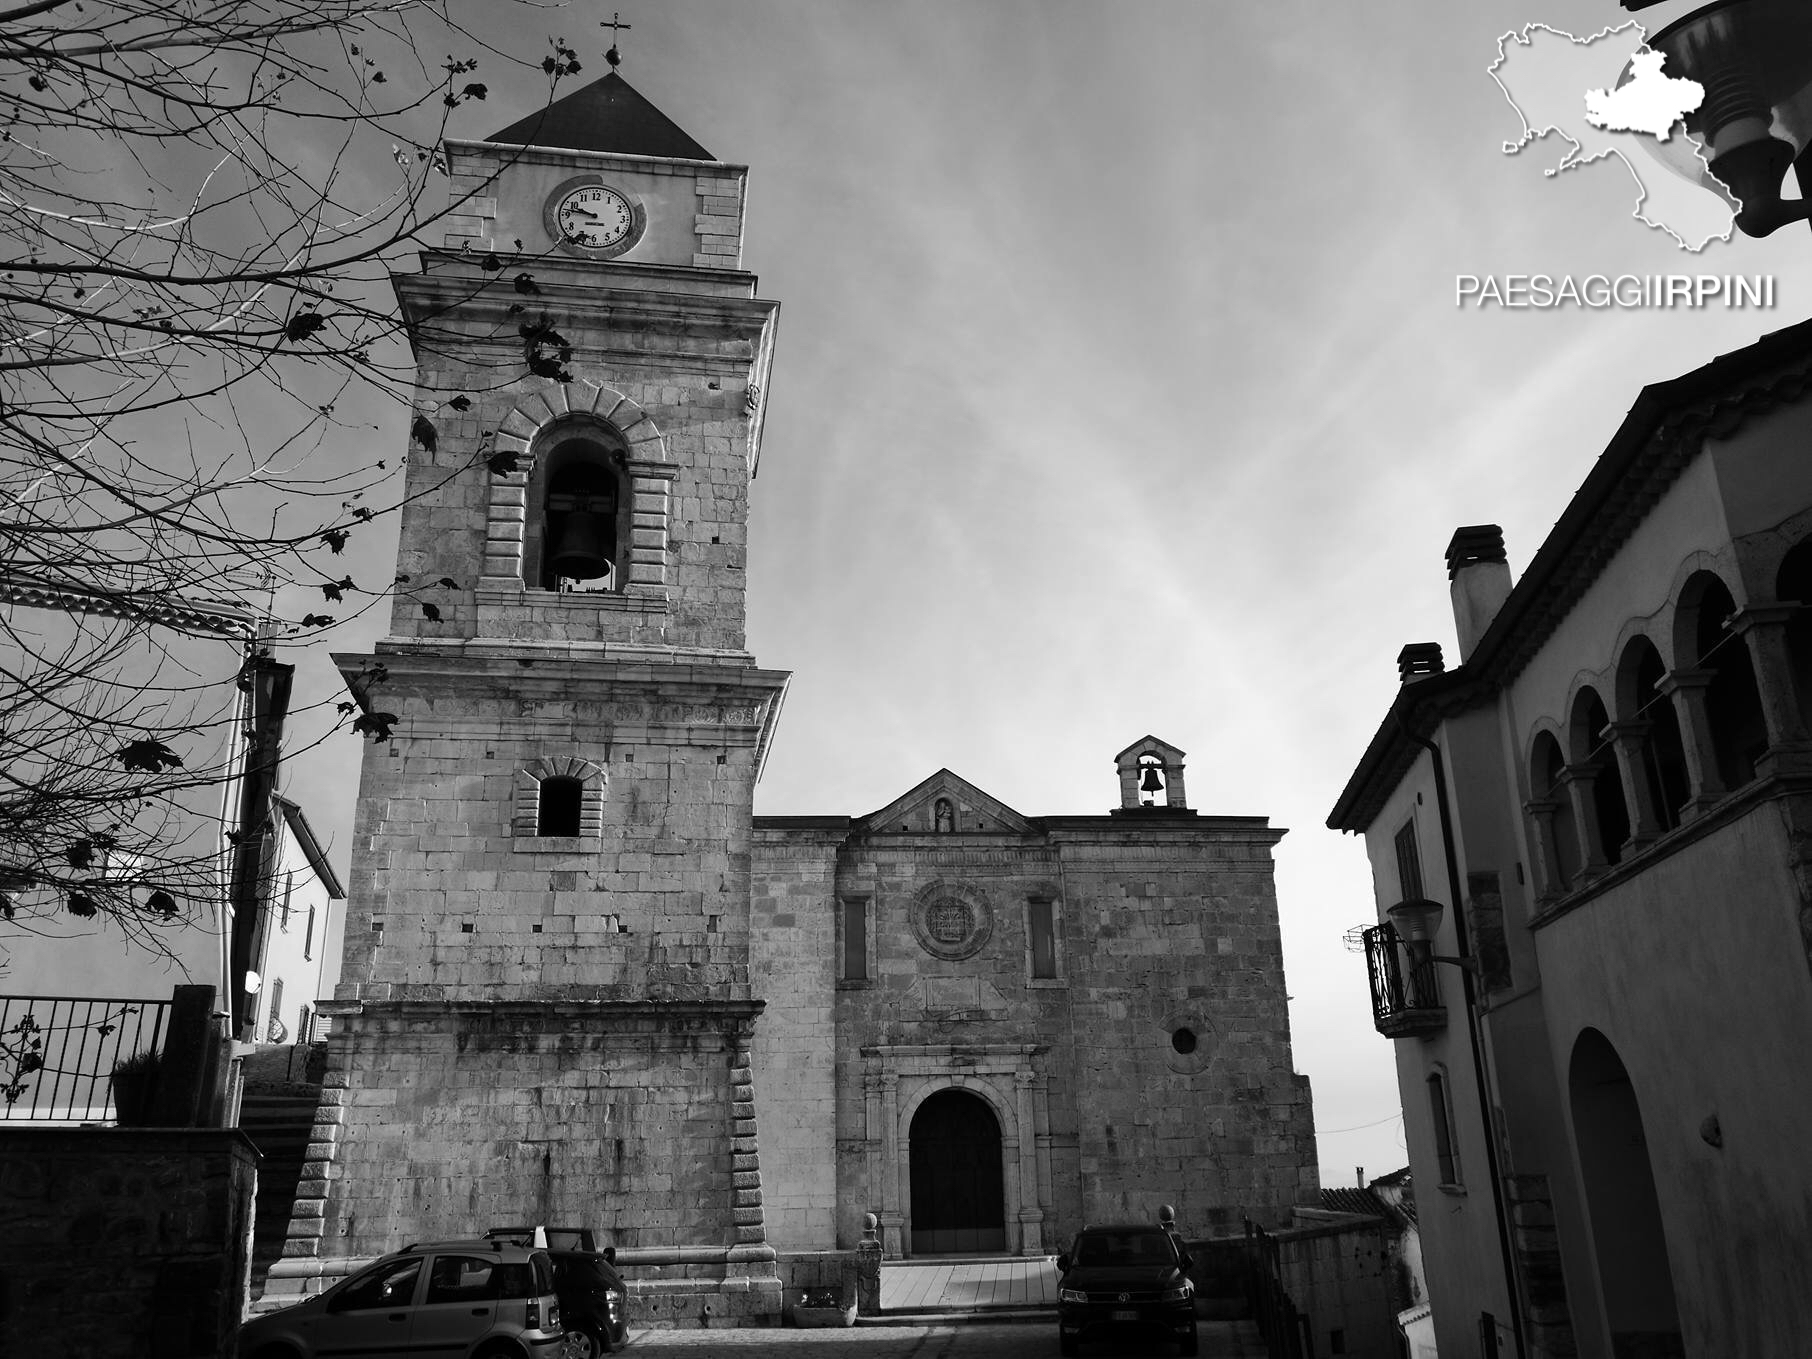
{"x": 823, "y": 1307}
{"x": 134, "y": 1084}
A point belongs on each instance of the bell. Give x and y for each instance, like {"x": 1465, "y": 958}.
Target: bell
{"x": 578, "y": 551}
{"x": 1151, "y": 783}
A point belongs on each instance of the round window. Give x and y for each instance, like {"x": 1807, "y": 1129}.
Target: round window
{"x": 1183, "y": 1041}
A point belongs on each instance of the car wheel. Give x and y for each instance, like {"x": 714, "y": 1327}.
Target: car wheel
{"x": 1066, "y": 1344}
{"x": 586, "y": 1342}
{"x": 1189, "y": 1343}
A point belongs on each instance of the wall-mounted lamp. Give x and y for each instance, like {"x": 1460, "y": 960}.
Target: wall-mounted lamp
{"x": 1753, "y": 60}
{"x": 1416, "y": 921}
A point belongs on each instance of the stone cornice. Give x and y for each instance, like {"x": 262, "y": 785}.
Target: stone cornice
{"x": 678, "y": 684}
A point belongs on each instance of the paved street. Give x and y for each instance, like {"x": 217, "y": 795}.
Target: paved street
{"x": 1220, "y": 1339}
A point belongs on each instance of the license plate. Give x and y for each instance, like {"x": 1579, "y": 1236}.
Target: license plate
{"x": 1126, "y": 1316}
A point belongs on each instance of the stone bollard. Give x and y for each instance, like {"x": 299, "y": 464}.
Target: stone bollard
{"x": 868, "y": 1267}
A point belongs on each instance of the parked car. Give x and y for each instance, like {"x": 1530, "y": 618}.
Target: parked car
{"x": 433, "y": 1300}
{"x": 1125, "y": 1280}
{"x": 593, "y": 1300}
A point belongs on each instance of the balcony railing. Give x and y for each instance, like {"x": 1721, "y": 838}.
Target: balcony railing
{"x": 57, "y": 1053}
{"x": 1406, "y": 1000}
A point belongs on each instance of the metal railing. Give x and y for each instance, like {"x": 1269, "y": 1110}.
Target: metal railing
{"x": 57, "y": 1053}
{"x": 1406, "y": 999}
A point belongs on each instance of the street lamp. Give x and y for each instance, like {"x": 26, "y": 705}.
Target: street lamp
{"x": 1753, "y": 59}
{"x": 1416, "y": 920}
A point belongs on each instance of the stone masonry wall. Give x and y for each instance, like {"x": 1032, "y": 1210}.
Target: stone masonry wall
{"x": 1177, "y": 934}
{"x": 915, "y": 998}
{"x": 691, "y": 384}
{"x": 441, "y": 1122}
{"x": 1165, "y": 924}
{"x": 447, "y": 898}
{"x": 792, "y": 966}
{"x": 124, "y": 1243}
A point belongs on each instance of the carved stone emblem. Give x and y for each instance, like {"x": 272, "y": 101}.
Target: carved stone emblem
{"x": 951, "y": 920}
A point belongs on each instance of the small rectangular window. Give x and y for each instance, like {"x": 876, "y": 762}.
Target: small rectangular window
{"x": 276, "y": 1032}
{"x": 1409, "y": 864}
{"x": 308, "y": 939}
{"x": 289, "y": 884}
{"x": 1447, "y": 1155}
{"x": 855, "y": 940}
{"x": 1042, "y": 924}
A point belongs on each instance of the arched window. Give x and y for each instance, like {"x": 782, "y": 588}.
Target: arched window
{"x": 557, "y": 797}
{"x": 1794, "y": 586}
{"x": 557, "y": 811}
{"x": 1733, "y": 705}
{"x": 1663, "y": 759}
{"x": 1593, "y": 751}
{"x": 1548, "y": 765}
{"x": 577, "y": 536}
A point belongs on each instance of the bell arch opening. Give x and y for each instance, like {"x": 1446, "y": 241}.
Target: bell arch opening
{"x": 580, "y": 514}
{"x": 958, "y": 1188}
{"x": 1628, "y": 1237}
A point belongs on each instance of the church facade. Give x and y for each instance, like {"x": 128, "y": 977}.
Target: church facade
{"x": 583, "y": 983}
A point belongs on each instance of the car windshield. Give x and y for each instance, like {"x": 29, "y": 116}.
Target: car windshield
{"x": 1094, "y": 1249}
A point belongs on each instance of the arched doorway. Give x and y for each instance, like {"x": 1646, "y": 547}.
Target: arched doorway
{"x": 1633, "y": 1269}
{"x": 957, "y": 1199}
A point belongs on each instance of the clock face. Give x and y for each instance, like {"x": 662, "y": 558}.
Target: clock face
{"x": 594, "y": 217}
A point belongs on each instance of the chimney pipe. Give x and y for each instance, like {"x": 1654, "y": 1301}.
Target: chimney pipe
{"x": 1419, "y": 660}
{"x": 1479, "y": 576}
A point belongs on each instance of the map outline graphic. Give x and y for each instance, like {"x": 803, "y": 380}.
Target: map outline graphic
{"x": 1690, "y": 215}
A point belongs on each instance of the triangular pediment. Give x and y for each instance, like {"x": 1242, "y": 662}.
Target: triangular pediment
{"x": 970, "y": 809}
{"x": 1151, "y": 745}
{"x": 606, "y": 115}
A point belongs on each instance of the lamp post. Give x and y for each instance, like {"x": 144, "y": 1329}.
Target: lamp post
{"x": 1753, "y": 60}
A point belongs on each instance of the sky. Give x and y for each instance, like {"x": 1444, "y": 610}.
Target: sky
{"x": 1121, "y": 389}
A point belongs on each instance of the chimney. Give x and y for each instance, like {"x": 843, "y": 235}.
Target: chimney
{"x": 1480, "y": 581}
{"x": 1419, "y": 660}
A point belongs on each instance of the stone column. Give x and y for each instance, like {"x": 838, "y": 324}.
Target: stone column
{"x": 1687, "y": 690}
{"x": 1763, "y": 628}
{"x": 894, "y": 1188}
{"x": 1031, "y": 1207}
{"x": 1630, "y": 740}
{"x": 1548, "y": 882}
{"x": 1578, "y": 780}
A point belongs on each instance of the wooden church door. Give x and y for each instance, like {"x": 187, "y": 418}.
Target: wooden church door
{"x": 957, "y": 1193}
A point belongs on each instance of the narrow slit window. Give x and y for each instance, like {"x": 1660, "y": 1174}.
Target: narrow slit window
{"x": 1042, "y": 923}
{"x": 1447, "y": 1155}
{"x": 855, "y": 941}
{"x": 308, "y": 939}
{"x": 1409, "y": 863}
{"x": 557, "y": 812}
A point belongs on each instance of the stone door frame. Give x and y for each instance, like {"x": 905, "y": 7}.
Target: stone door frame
{"x": 1010, "y": 1077}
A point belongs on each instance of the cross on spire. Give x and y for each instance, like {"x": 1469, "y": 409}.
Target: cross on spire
{"x": 614, "y": 57}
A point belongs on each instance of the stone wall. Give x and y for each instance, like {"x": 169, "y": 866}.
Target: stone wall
{"x": 440, "y": 1122}
{"x": 124, "y": 1243}
{"x": 1185, "y": 1088}
{"x": 792, "y": 933}
{"x": 1167, "y": 936}
{"x": 1339, "y": 1276}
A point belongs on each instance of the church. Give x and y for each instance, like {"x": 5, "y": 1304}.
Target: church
{"x": 583, "y": 983}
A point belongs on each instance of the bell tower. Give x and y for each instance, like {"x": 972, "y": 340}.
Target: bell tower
{"x": 545, "y": 1011}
